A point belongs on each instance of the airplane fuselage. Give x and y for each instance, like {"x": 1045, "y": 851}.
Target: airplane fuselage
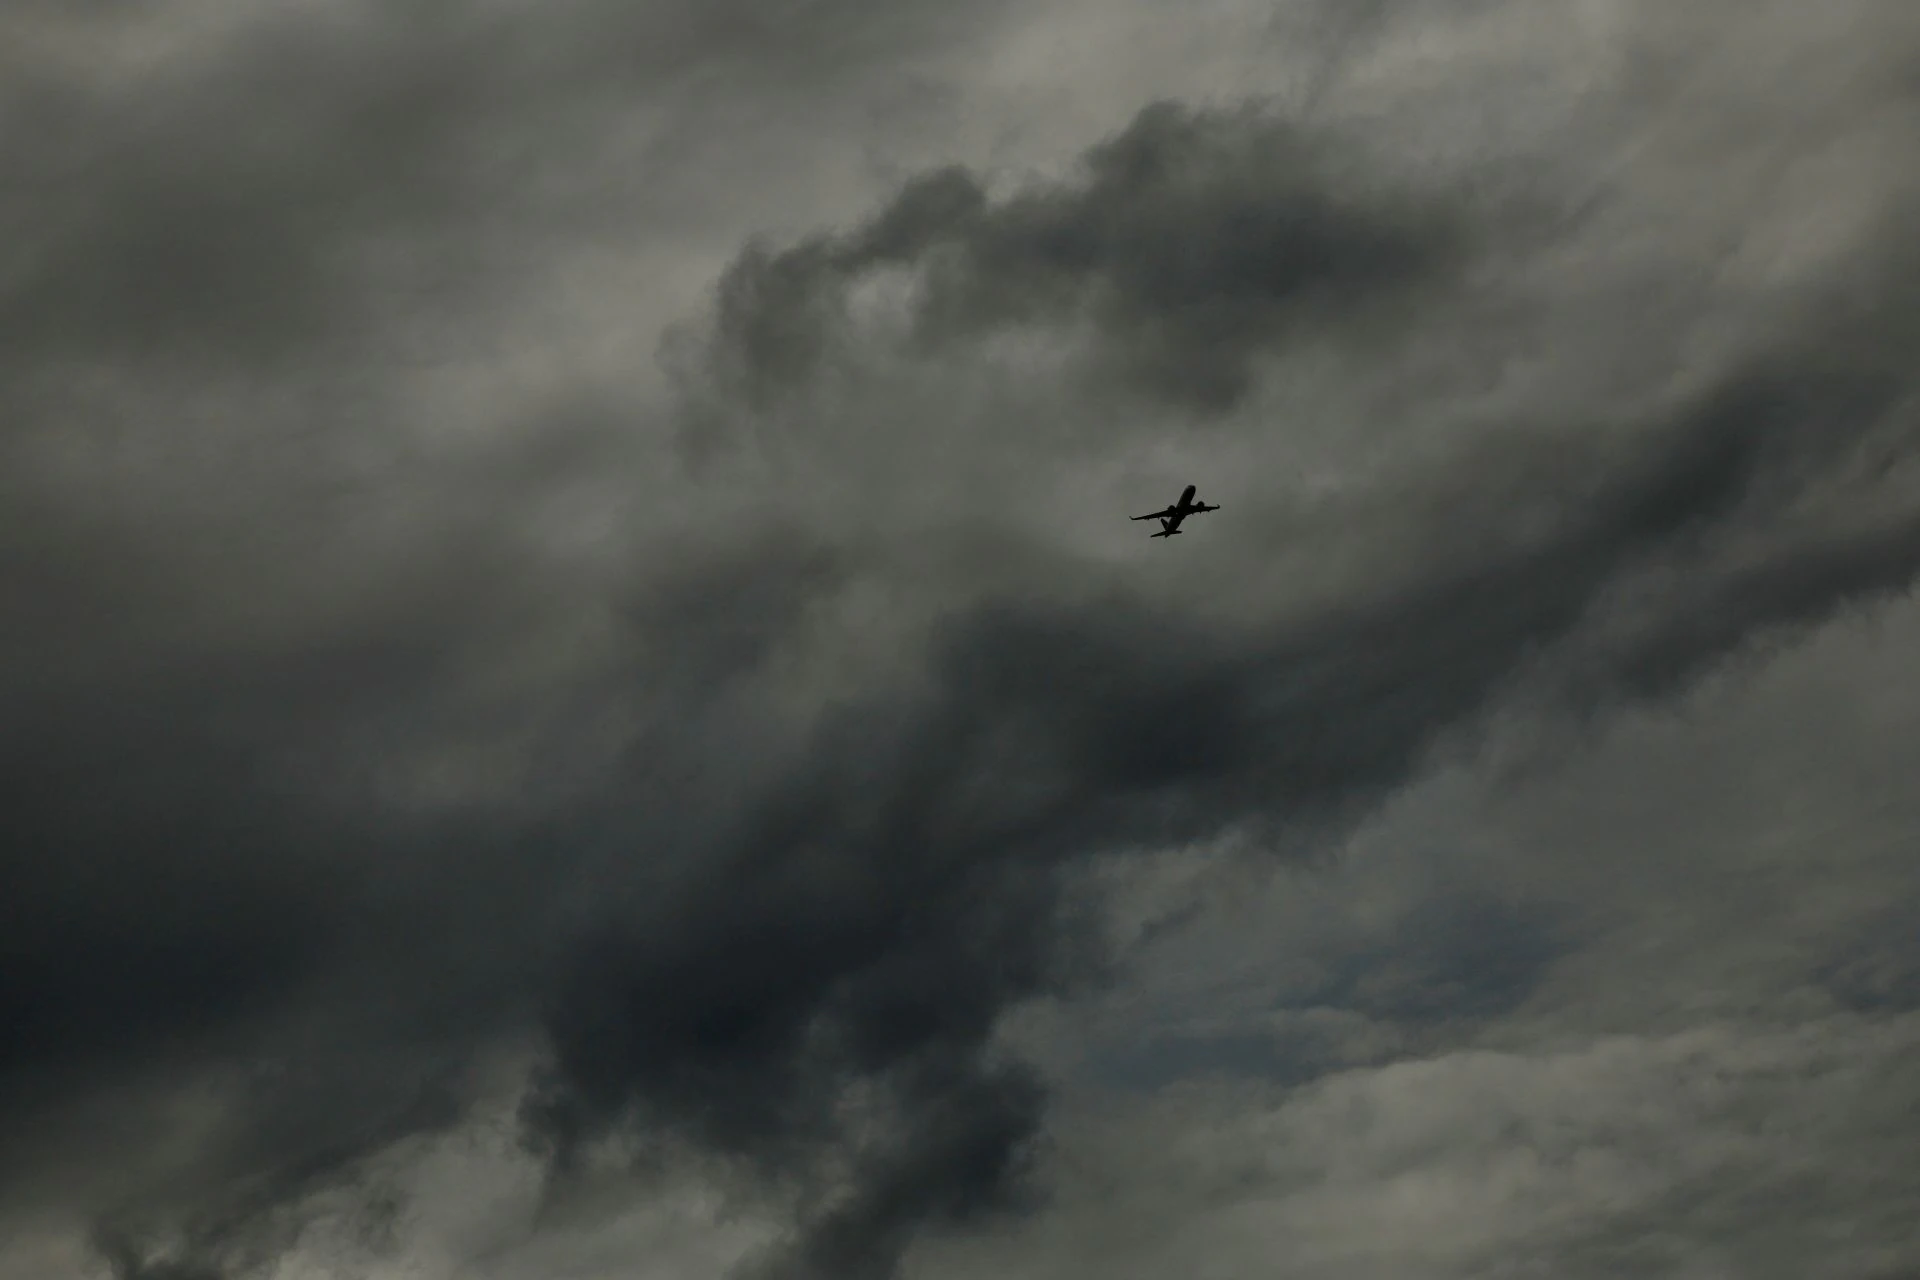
{"x": 1171, "y": 517}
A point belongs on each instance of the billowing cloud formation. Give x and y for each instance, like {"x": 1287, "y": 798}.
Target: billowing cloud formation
{"x": 1499, "y": 1147}
{"x": 1187, "y": 245}
{"x": 377, "y": 751}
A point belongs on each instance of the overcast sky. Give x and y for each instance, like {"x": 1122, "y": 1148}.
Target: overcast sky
{"x": 578, "y": 698}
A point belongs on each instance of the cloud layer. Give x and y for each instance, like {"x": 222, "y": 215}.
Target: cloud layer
{"x": 418, "y": 719}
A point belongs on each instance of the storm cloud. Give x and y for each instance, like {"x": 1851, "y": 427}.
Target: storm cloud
{"x": 417, "y": 720}
{"x": 1188, "y": 244}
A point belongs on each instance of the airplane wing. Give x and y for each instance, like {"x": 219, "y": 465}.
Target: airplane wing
{"x": 1155, "y": 515}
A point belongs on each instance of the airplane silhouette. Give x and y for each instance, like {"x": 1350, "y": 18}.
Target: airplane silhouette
{"x": 1170, "y": 518}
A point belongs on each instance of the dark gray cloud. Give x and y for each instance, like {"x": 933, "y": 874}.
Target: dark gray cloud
{"x": 1188, "y": 243}
{"x": 902, "y": 889}
{"x": 783, "y": 917}
{"x": 1879, "y": 967}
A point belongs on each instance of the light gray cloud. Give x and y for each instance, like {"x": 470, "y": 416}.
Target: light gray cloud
{"x": 1715, "y": 856}
{"x": 1685, "y": 1154}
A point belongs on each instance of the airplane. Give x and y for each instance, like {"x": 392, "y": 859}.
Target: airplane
{"x": 1170, "y": 518}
